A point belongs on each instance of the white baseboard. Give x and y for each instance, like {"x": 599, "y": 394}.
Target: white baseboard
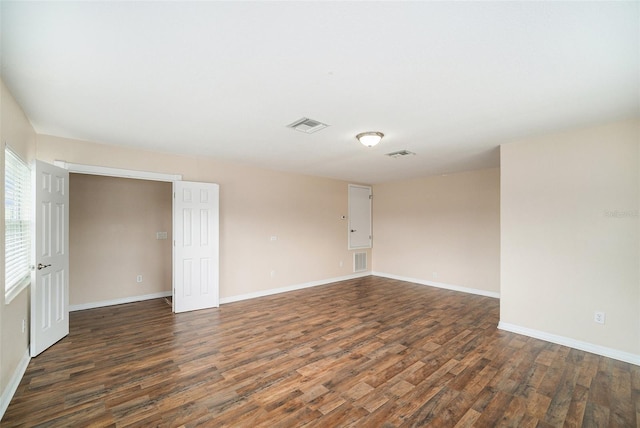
{"x": 271, "y": 291}
{"x": 223, "y": 300}
{"x": 92, "y": 305}
{"x": 460, "y": 288}
{"x": 572, "y": 343}
{"x": 14, "y": 382}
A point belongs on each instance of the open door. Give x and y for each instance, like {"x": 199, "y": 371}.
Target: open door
{"x": 195, "y": 246}
{"x": 50, "y": 278}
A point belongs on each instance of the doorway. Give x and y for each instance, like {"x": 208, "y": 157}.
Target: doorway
{"x": 120, "y": 240}
{"x": 102, "y": 235}
{"x": 205, "y": 254}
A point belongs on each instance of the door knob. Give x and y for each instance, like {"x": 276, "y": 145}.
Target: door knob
{"x": 41, "y": 266}
{"x": 353, "y": 230}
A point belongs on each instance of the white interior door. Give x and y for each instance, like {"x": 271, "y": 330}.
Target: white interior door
{"x": 50, "y": 279}
{"x": 359, "y": 216}
{"x": 195, "y": 247}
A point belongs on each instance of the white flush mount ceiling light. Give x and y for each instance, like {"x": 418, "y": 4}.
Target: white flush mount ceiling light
{"x": 370, "y": 139}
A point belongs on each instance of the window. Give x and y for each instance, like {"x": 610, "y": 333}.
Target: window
{"x": 17, "y": 223}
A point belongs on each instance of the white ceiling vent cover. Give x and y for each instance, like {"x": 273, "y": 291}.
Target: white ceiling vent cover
{"x": 306, "y": 125}
{"x": 400, "y": 153}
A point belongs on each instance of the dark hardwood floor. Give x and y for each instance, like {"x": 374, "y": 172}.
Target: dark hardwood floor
{"x": 369, "y": 352}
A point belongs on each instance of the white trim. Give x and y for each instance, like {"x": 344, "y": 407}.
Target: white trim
{"x": 13, "y": 384}
{"x": 92, "y": 305}
{"x": 271, "y": 291}
{"x": 15, "y": 291}
{"x": 460, "y": 288}
{"x": 572, "y": 343}
{"x": 117, "y": 172}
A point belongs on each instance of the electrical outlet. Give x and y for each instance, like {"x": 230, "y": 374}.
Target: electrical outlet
{"x": 435, "y": 275}
{"x": 599, "y": 317}
{"x": 24, "y": 325}
{"x": 139, "y": 278}
{"x": 273, "y": 274}
{"x": 341, "y": 263}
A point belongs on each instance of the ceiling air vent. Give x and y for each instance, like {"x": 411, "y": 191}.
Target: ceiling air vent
{"x": 400, "y": 153}
{"x": 306, "y": 125}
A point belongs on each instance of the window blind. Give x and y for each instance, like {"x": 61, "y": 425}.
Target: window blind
{"x": 17, "y": 223}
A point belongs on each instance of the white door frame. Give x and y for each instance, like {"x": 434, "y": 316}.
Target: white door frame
{"x": 121, "y": 173}
{"x": 117, "y": 172}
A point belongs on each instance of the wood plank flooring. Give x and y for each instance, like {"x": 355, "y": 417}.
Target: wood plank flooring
{"x": 370, "y": 352}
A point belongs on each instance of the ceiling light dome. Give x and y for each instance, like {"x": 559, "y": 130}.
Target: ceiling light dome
{"x": 370, "y": 139}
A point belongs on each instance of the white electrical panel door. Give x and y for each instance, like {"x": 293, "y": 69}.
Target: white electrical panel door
{"x": 195, "y": 249}
{"x": 359, "y": 217}
{"x": 50, "y": 278}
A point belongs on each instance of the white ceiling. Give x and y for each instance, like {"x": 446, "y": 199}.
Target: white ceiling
{"x": 450, "y": 81}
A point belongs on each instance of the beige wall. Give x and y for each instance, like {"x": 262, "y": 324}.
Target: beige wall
{"x": 15, "y": 131}
{"x": 443, "y": 229}
{"x": 112, "y": 238}
{"x": 570, "y": 235}
{"x": 302, "y": 211}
